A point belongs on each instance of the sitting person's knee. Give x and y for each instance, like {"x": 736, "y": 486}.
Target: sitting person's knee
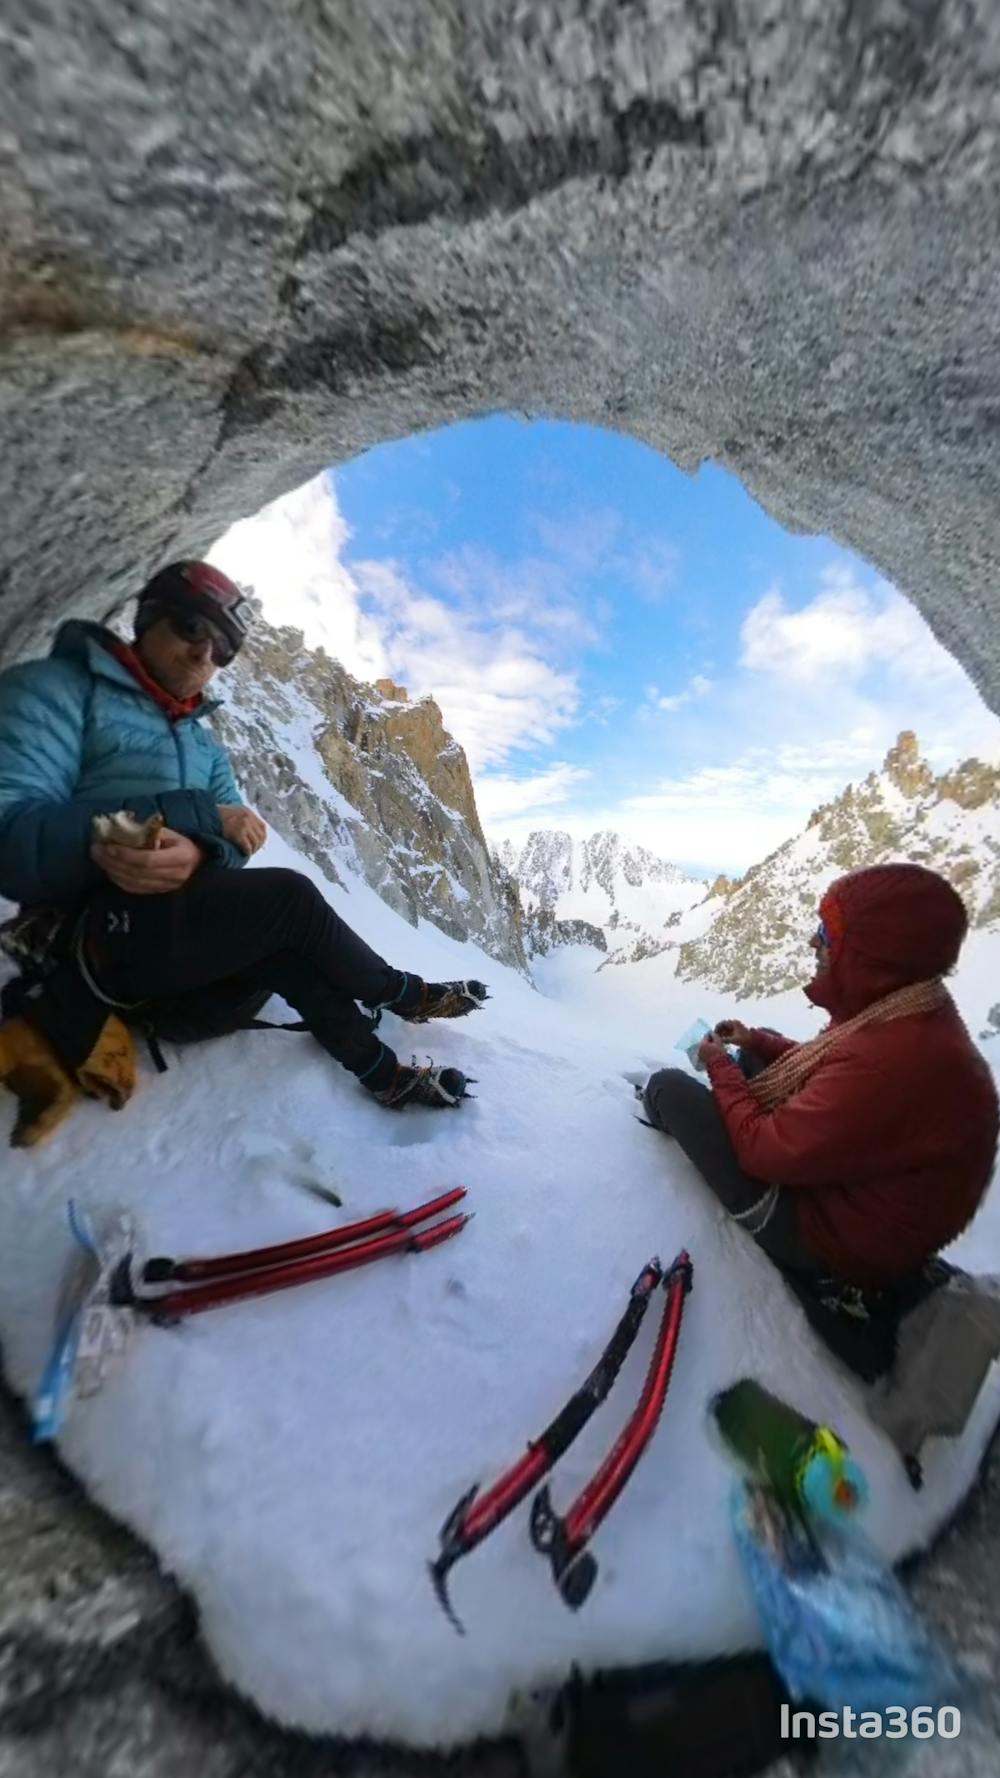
{"x": 293, "y": 885}
{"x": 661, "y": 1092}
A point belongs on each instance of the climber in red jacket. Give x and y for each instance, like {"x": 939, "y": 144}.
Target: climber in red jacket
{"x": 860, "y": 1153}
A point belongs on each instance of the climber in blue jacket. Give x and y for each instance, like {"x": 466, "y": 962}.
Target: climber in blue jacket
{"x": 102, "y": 727}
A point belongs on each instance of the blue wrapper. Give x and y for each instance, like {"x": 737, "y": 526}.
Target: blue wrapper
{"x": 690, "y": 1040}
{"x": 54, "y": 1393}
{"x": 838, "y": 1625}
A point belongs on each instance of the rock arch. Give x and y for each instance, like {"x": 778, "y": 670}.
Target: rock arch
{"x": 238, "y": 245}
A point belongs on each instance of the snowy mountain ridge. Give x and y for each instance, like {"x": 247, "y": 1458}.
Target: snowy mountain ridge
{"x": 612, "y": 886}
{"x": 754, "y": 933}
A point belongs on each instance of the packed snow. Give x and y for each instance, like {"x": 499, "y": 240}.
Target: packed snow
{"x": 291, "y": 1459}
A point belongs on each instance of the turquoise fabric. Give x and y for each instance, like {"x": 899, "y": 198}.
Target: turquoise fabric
{"x": 79, "y": 737}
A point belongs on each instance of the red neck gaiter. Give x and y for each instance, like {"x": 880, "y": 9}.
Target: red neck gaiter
{"x": 174, "y": 707}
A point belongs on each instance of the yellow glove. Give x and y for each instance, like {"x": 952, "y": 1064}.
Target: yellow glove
{"x": 109, "y": 1071}
{"x": 46, "y": 1091}
{"x": 46, "y": 1094}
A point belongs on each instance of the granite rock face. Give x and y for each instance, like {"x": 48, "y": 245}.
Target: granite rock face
{"x": 239, "y": 243}
{"x": 102, "y": 1674}
{"x": 543, "y": 933}
{"x": 363, "y": 780}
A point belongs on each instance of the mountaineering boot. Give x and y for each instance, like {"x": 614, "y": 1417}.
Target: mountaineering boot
{"x": 446, "y": 1000}
{"x": 424, "y": 1086}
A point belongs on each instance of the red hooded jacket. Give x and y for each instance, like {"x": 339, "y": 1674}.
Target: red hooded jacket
{"x": 891, "y": 1142}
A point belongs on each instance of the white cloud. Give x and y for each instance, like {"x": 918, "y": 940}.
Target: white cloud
{"x": 602, "y": 709}
{"x": 847, "y": 630}
{"x": 496, "y": 688}
{"x": 857, "y": 660}
{"x": 651, "y": 568}
{"x": 727, "y": 816}
{"x": 501, "y": 799}
{"x": 596, "y": 540}
{"x": 720, "y": 817}
{"x": 697, "y": 687}
{"x": 582, "y": 540}
{"x": 731, "y": 814}
{"x": 289, "y": 552}
{"x": 529, "y": 590}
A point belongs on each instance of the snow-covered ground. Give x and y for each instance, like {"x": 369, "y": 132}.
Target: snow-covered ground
{"x": 292, "y": 1459}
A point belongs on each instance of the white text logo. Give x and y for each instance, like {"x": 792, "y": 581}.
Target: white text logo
{"x": 894, "y": 1723}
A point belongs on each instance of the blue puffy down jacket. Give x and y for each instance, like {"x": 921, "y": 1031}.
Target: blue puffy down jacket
{"x": 79, "y": 737}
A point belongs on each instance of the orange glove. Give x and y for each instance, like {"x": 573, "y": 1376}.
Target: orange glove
{"x": 109, "y": 1071}
{"x": 46, "y": 1092}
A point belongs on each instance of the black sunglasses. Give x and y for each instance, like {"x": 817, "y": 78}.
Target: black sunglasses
{"x": 189, "y": 627}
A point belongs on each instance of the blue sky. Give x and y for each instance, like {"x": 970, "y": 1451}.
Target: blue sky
{"x": 614, "y": 643}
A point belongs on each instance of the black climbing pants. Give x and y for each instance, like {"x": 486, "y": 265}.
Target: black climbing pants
{"x": 227, "y": 933}
{"x": 685, "y": 1109}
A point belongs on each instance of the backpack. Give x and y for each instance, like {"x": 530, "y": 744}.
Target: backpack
{"x": 203, "y": 1014}
{"x": 37, "y": 940}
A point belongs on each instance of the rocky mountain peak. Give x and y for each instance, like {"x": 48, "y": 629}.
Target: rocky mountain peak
{"x": 544, "y": 867}
{"x": 904, "y": 767}
{"x": 757, "y": 942}
{"x": 360, "y": 778}
{"x": 393, "y": 693}
{"x": 600, "y": 884}
{"x": 972, "y": 785}
{"x": 606, "y": 860}
{"x": 389, "y": 725}
{"x": 723, "y": 885}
